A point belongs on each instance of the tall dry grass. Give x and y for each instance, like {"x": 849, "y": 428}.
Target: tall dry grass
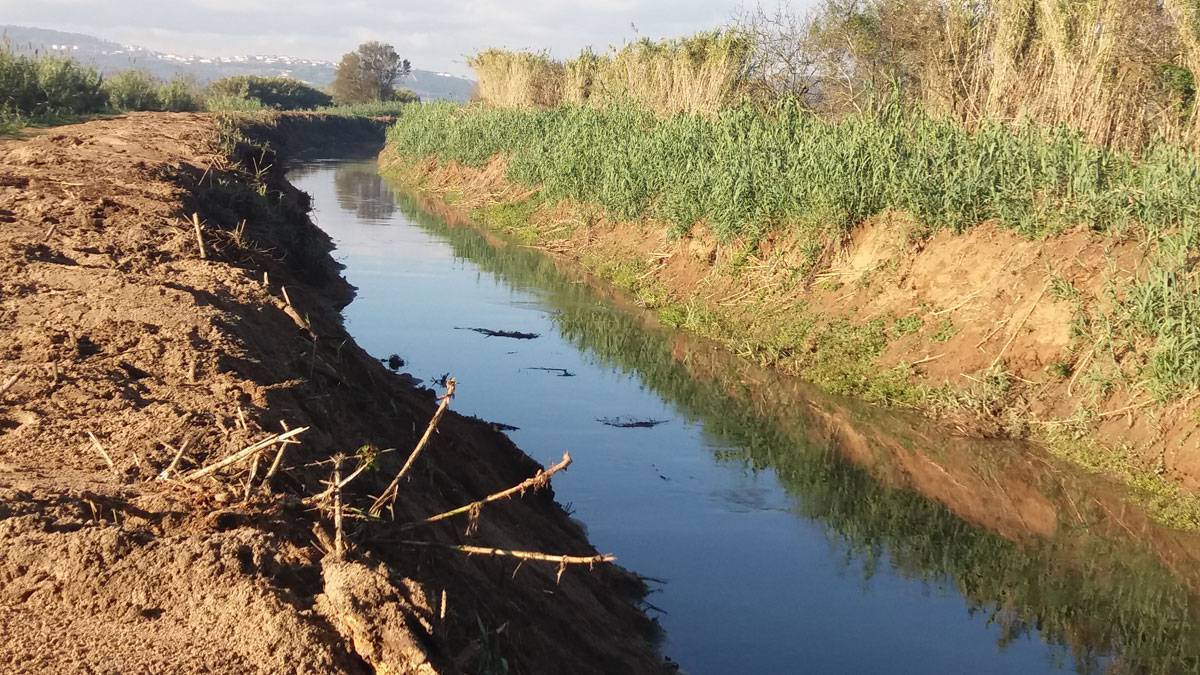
{"x": 699, "y": 74}
{"x": 1119, "y": 71}
{"x": 517, "y": 79}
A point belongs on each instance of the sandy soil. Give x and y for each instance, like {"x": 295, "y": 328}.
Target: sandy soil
{"x": 119, "y": 339}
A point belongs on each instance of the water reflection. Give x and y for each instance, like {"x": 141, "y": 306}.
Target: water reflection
{"x": 362, "y": 191}
{"x": 1035, "y": 549}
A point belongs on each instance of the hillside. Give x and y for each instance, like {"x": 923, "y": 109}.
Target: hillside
{"x": 111, "y": 57}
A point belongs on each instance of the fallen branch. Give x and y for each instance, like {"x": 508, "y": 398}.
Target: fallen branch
{"x": 244, "y": 454}
{"x": 103, "y": 453}
{"x": 537, "y": 482}
{"x": 389, "y": 495}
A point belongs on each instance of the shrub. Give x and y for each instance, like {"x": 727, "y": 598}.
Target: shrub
{"x": 180, "y": 95}
{"x": 44, "y": 87}
{"x": 132, "y": 90}
{"x": 226, "y": 103}
{"x": 281, "y": 93}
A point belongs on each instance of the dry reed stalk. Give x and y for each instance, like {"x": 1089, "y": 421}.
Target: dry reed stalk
{"x": 520, "y": 555}
{"x": 103, "y": 453}
{"x": 251, "y": 477}
{"x": 199, "y": 236}
{"x": 244, "y": 454}
{"x": 389, "y": 495}
{"x": 535, "y": 483}
{"x": 338, "y": 537}
{"x": 166, "y": 473}
{"x": 1017, "y": 331}
{"x": 8, "y": 384}
{"x": 927, "y": 359}
{"x": 278, "y": 455}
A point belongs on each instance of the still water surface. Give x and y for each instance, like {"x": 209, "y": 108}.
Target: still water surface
{"x": 793, "y": 532}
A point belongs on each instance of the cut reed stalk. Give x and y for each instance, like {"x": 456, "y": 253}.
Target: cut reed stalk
{"x": 537, "y": 482}
{"x": 103, "y": 453}
{"x": 243, "y": 454}
{"x": 199, "y": 236}
{"x": 521, "y": 555}
{"x": 389, "y": 495}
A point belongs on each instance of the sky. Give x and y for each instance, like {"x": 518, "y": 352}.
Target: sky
{"x": 435, "y": 36}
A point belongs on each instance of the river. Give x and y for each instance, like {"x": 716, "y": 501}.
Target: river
{"x": 785, "y": 530}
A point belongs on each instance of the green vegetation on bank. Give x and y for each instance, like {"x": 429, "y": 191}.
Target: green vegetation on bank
{"x": 279, "y": 93}
{"x": 1094, "y": 594}
{"x": 48, "y": 90}
{"x": 749, "y": 169}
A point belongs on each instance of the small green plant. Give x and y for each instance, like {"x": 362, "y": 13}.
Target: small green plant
{"x": 945, "y": 330}
{"x": 907, "y": 325}
{"x": 1061, "y": 369}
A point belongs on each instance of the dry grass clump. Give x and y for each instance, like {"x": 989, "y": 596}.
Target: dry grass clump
{"x": 517, "y": 79}
{"x": 1122, "y": 72}
{"x": 698, "y": 74}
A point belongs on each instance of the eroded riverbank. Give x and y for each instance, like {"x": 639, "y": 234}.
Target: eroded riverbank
{"x": 790, "y": 526}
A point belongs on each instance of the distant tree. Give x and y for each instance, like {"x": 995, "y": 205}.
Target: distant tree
{"x": 369, "y": 73}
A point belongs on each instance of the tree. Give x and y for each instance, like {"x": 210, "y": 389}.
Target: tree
{"x": 369, "y": 73}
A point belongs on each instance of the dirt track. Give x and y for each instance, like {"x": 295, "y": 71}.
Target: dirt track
{"x": 115, "y": 326}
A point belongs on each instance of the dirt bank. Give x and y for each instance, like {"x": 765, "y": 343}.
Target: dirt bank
{"x": 991, "y": 333}
{"x": 126, "y": 345}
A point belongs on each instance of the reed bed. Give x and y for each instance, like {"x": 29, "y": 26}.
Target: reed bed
{"x": 749, "y": 170}
{"x": 699, "y": 74}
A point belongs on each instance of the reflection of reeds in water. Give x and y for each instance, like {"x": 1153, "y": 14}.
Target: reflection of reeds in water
{"x": 1086, "y": 583}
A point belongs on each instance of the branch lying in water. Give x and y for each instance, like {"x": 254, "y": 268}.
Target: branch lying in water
{"x": 516, "y": 335}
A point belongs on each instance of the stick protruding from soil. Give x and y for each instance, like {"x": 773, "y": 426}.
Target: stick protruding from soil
{"x": 389, "y": 495}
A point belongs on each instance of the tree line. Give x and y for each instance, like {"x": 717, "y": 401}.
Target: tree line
{"x": 49, "y": 89}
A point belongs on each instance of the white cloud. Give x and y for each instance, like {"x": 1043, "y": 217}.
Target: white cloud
{"x": 432, "y": 37}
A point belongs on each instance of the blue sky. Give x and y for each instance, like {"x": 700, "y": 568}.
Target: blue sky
{"x": 433, "y": 35}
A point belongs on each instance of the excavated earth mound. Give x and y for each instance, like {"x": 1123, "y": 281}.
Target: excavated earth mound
{"x": 126, "y": 345}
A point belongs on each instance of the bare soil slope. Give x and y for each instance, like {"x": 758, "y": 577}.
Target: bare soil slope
{"x": 120, "y": 339}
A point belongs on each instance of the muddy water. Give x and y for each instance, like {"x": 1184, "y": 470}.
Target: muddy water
{"x": 791, "y": 531}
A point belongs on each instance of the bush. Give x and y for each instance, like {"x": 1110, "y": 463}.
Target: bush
{"x": 132, "y": 90}
{"x": 44, "y": 87}
{"x": 180, "y": 95}
{"x": 227, "y": 103}
{"x": 281, "y": 93}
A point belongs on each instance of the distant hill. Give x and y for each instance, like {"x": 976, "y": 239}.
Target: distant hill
{"x": 110, "y": 57}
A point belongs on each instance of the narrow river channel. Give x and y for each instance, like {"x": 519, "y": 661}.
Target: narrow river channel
{"x": 791, "y": 531}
